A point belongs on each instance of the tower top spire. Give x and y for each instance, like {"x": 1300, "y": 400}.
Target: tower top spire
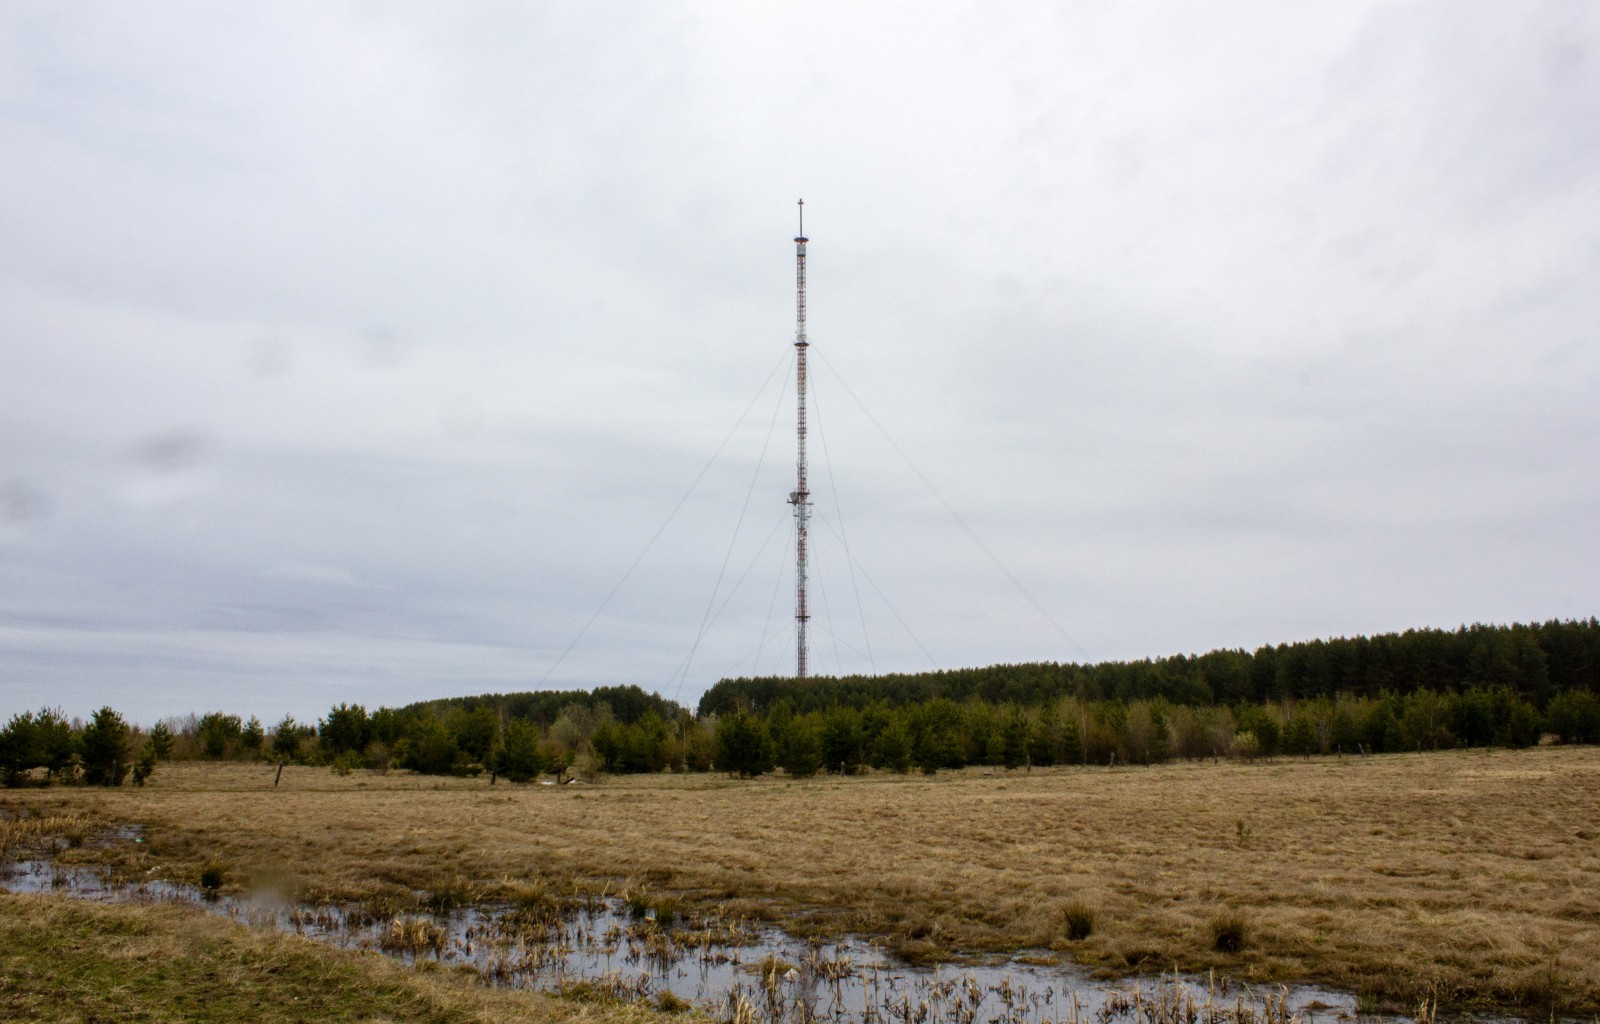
{"x": 801, "y": 237}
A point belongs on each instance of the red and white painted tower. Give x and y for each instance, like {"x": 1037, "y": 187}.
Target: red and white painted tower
{"x": 801, "y": 497}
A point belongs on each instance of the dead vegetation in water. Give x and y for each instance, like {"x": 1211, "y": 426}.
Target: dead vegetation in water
{"x": 1467, "y": 877}
{"x": 72, "y": 961}
{"x": 27, "y": 831}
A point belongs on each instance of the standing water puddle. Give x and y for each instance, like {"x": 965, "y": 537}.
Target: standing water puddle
{"x": 749, "y": 975}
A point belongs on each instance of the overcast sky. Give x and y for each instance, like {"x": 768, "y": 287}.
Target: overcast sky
{"x": 355, "y": 351}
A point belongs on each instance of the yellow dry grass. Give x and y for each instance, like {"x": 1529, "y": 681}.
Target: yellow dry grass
{"x": 1474, "y": 876}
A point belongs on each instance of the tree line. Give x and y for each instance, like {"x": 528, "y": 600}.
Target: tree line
{"x": 1535, "y": 661}
{"x": 100, "y": 752}
{"x": 942, "y": 733}
{"x": 1507, "y": 686}
{"x": 931, "y": 736}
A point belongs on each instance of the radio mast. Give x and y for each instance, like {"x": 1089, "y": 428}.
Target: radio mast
{"x": 800, "y": 498}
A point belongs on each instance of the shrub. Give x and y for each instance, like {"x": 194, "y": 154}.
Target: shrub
{"x": 376, "y": 756}
{"x": 146, "y": 764}
{"x": 1574, "y": 715}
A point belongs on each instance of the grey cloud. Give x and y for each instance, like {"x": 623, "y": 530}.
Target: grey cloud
{"x": 355, "y": 353}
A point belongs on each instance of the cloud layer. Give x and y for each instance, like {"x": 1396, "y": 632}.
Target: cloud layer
{"x": 358, "y": 352}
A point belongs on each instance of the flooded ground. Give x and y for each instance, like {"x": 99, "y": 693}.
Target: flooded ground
{"x": 739, "y": 971}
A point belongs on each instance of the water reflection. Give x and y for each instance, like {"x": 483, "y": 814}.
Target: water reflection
{"x": 746, "y": 973}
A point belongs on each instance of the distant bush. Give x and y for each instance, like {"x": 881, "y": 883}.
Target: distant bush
{"x": 1574, "y": 717}
{"x": 145, "y": 766}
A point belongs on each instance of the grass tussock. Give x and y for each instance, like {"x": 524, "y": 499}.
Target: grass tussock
{"x": 669, "y": 1003}
{"x": 646, "y": 904}
{"x": 452, "y": 893}
{"x": 532, "y": 902}
{"x": 1079, "y": 919}
{"x": 1230, "y": 933}
{"x": 1408, "y": 873}
{"x": 415, "y": 937}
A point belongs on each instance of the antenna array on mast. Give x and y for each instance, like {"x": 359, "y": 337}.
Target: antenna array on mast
{"x": 800, "y": 498}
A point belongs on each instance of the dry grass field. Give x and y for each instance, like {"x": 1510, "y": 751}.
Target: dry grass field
{"x": 1474, "y": 876}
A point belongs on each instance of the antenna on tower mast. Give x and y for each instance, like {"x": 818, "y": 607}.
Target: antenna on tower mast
{"x": 801, "y": 496}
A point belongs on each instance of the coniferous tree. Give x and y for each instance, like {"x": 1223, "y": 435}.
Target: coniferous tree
{"x": 520, "y": 758}
{"x": 104, "y": 749}
{"x": 744, "y": 747}
{"x": 1300, "y": 736}
{"x": 160, "y": 741}
{"x": 475, "y": 732}
{"x": 344, "y": 729}
{"x": 252, "y": 737}
{"x": 842, "y": 740}
{"x": 893, "y": 750}
{"x": 55, "y": 744}
{"x": 19, "y": 749}
{"x": 800, "y": 753}
{"x": 286, "y": 739}
{"x": 217, "y": 732}
{"x": 431, "y": 748}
